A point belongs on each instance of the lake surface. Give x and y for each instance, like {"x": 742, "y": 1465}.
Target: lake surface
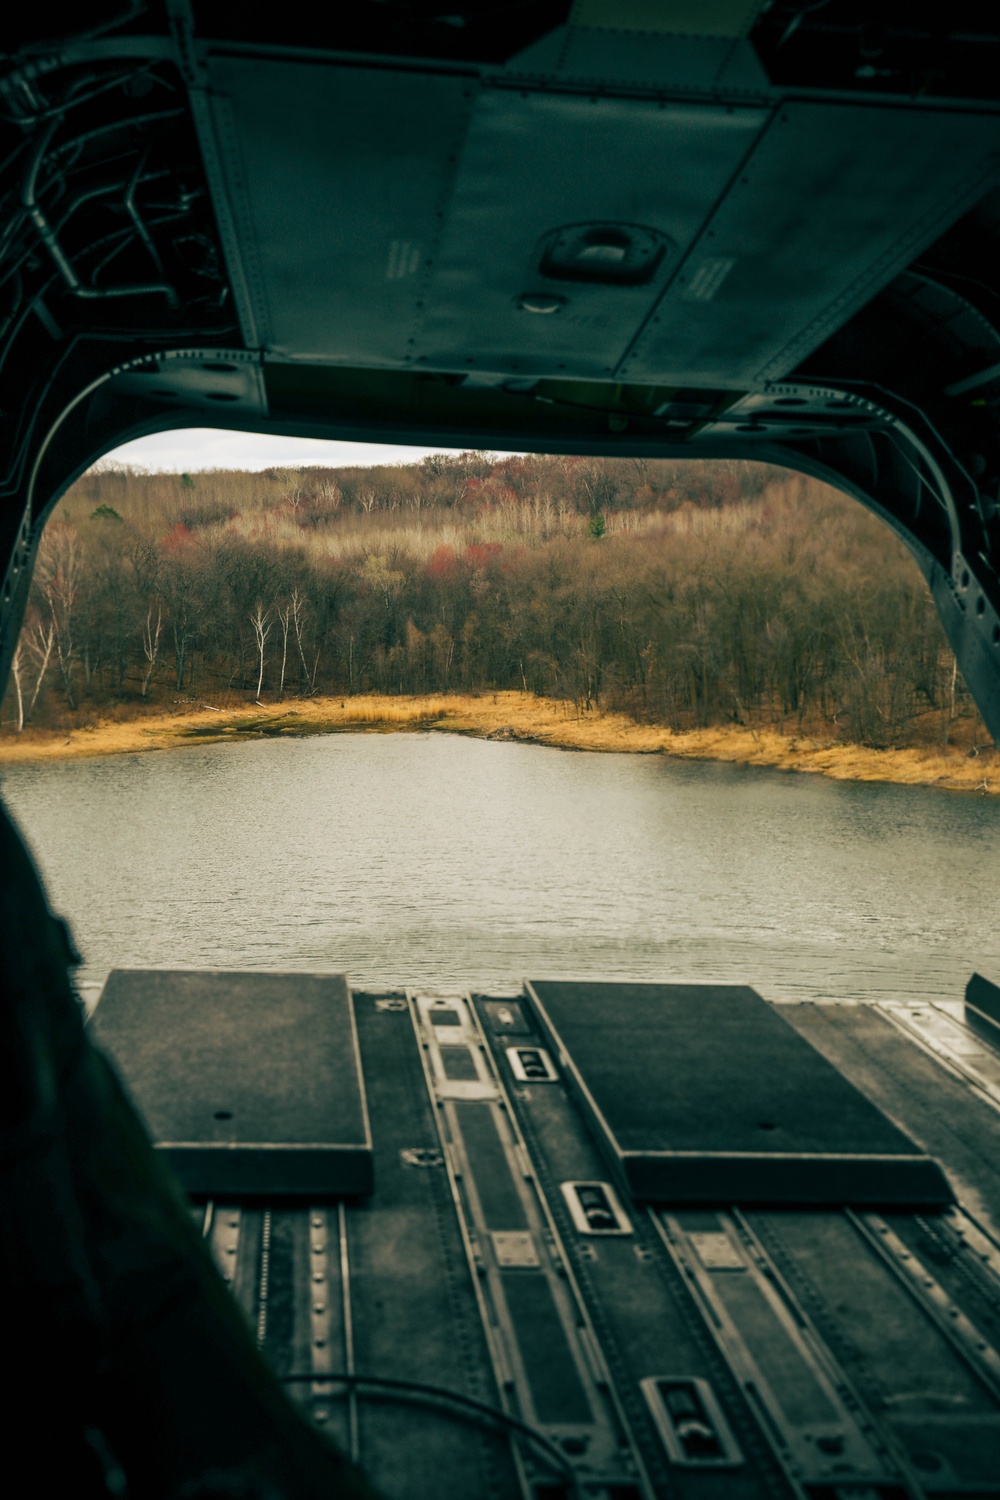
{"x": 436, "y": 860}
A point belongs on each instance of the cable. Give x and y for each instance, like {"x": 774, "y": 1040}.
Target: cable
{"x": 440, "y": 1394}
{"x": 800, "y": 14}
{"x": 136, "y": 217}
{"x": 661, "y": 425}
{"x": 126, "y": 235}
{"x": 49, "y": 238}
{"x": 921, "y": 478}
{"x": 111, "y": 126}
{"x": 921, "y": 415}
{"x": 19, "y": 220}
{"x": 37, "y": 116}
{"x": 22, "y": 317}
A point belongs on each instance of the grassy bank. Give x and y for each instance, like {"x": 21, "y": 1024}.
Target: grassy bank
{"x": 508, "y": 715}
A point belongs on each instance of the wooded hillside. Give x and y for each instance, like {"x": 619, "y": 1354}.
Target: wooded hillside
{"x": 687, "y": 593}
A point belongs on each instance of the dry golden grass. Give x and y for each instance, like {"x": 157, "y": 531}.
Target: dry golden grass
{"x": 512, "y": 715}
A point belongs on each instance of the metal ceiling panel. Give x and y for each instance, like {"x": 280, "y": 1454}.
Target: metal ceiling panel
{"x": 337, "y": 178}
{"x": 832, "y": 204}
{"x": 537, "y": 164}
{"x": 643, "y": 59}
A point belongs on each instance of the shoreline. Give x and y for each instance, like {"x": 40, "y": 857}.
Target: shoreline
{"x": 508, "y": 716}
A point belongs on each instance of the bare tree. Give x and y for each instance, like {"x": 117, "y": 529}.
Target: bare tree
{"x": 151, "y": 643}
{"x": 60, "y": 578}
{"x": 146, "y": 563}
{"x": 39, "y": 641}
{"x": 261, "y": 621}
{"x": 178, "y": 585}
{"x": 285, "y": 617}
{"x": 597, "y": 481}
{"x": 299, "y": 611}
{"x": 15, "y": 672}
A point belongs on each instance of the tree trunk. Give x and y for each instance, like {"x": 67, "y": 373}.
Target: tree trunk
{"x": 41, "y": 648}
{"x": 151, "y": 645}
{"x": 261, "y": 622}
{"x": 285, "y": 617}
{"x": 15, "y": 669}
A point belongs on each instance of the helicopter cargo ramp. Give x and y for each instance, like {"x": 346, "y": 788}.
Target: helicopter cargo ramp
{"x": 500, "y": 1312}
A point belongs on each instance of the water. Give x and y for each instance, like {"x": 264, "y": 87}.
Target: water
{"x": 436, "y": 860}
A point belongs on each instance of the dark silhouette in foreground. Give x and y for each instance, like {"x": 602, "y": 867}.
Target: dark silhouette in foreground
{"x": 135, "y": 1373}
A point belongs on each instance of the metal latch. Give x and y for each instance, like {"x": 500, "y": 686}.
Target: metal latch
{"x": 595, "y": 1208}
{"x": 531, "y": 1064}
{"x": 690, "y": 1421}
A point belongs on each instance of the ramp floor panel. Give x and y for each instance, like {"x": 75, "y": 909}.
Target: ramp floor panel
{"x": 702, "y": 1093}
{"x": 415, "y": 1313}
{"x": 960, "y": 1128}
{"x": 250, "y": 1083}
{"x": 461, "y": 1330}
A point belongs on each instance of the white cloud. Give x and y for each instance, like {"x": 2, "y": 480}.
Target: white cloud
{"x": 194, "y": 448}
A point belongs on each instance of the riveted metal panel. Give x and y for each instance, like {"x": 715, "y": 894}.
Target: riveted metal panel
{"x": 831, "y": 205}
{"x": 535, "y": 163}
{"x": 342, "y": 242}
{"x": 655, "y": 60}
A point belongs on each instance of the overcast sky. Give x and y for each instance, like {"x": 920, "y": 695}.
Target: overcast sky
{"x": 207, "y": 448}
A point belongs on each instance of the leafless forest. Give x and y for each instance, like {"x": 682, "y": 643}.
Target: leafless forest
{"x": 686, "y": 593}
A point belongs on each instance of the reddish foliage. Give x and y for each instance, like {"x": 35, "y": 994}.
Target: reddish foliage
{"x": 482, "y": 554}
{"x": 180, "y": 536}
{"x": 492, "y": 492}
{"x": 442, "y": 562}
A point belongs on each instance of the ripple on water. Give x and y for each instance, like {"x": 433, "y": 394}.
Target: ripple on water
{"x": 435, "y": 859}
